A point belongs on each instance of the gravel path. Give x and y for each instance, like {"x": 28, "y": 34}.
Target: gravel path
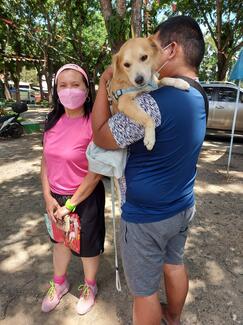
{"x": 214, "y": 248}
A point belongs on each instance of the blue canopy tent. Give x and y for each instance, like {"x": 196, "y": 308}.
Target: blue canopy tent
{"x": 236, "y": 74}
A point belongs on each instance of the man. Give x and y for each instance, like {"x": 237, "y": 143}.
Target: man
{"x": 159, "y": 197}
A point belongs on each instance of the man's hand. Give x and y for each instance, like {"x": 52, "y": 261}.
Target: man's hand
{"x": 107, "y": 75}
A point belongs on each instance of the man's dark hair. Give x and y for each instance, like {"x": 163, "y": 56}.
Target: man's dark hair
{"x": 185, "y": 31}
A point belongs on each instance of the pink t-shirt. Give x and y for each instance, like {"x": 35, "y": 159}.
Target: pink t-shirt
{"x": 65, "y": 147}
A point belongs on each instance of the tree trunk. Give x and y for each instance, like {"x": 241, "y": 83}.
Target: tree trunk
{"x": 39, "y": 75}
{"x": 222, "y": 66}
{"x": 136, "y": 18}
{"x": 92, "y": 86}
{"x": 121, "y": 7}
{"x": 145, "y": 19}
{"x": 115, "y": 23}
{"x": 49, "y": 87}
{"x": 6, "y": 86}
{"x": 48, "y": 75}
{"x": 219, "y": 23}
{"x": 40, "y": 85}
{"x": 16, "y": 85}
{"x": 106, "y": 9}
{"x": 47, "y": 56}
{"x": 16, "y": 80}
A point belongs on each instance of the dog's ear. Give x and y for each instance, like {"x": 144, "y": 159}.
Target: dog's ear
{"x": 115, "y": 63}
{"x": 153, "y": 43}
{"x": 155, "y": 49}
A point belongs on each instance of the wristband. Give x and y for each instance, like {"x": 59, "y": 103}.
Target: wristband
{"x": 70, "y": 206}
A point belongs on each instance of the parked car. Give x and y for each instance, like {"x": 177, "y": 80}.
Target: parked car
{"x": 27, "y": 94}
{"x": 222, "y": 100}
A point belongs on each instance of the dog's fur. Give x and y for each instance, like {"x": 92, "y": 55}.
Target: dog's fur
{"x": 135, "y": 66}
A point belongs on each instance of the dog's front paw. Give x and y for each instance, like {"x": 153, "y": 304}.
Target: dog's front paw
{"x": 149, "y": 138}
{"x": 182, "y": 84}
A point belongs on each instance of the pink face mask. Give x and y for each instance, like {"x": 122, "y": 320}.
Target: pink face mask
{"x": 72, "y": 98}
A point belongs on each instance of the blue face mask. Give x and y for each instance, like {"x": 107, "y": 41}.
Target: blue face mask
{"x": 166, "y": 62}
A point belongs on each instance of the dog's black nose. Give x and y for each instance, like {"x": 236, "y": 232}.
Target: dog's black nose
{"x": 139, "y": 80}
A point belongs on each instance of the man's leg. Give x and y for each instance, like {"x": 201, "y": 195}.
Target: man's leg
{"x": 176, "y": 286}
{"x": 142, "y": 261}
{"x": 175, "y": 274}
{"x": 146, "y": 310}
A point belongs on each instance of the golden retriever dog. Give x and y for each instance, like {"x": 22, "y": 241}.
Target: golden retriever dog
{"x": 134, "y": 68}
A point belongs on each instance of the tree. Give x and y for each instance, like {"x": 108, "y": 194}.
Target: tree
{"x": 85, "y": 35}
{"x": 12, "y": 43}
{"x": 224, "y": 22}
{"x": 136, "y": 19}
{"x": 122, "y": 21}
{"x": 53, "y": 33}
{"x": 207, "y": 68}
{"x": 48, "y": 19}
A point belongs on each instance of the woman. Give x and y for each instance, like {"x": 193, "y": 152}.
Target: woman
{"x": 68, "y": 185}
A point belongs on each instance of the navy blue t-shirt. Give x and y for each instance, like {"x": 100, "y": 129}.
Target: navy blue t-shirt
{"x": 159, "y": 183}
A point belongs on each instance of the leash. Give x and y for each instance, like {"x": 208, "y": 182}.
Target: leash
{"x": 118, "y": 282}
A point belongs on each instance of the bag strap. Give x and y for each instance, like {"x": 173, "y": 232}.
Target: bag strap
{"x": 197, "y": 86}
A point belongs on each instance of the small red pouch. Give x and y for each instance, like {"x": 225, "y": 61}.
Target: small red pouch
{"x": 72, "y": 237}
{"x": 54, "y": 232}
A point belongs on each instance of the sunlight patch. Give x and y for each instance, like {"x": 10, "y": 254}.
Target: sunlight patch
{"x": 203, "y": 187}
{"x": 195, "y": 287}
{"x": 215, "y": 273}
{"x": 16, "y": 261}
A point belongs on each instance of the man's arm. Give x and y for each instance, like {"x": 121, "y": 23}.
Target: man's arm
{"x": 102, "y": 135}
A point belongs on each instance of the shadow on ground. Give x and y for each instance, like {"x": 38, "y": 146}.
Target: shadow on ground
{"x": 213, "y": 250}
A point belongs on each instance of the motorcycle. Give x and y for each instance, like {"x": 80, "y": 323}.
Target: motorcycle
{"x": 9, "y": 124}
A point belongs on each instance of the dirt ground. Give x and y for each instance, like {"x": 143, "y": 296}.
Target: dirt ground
{"x": 213, "y": 255}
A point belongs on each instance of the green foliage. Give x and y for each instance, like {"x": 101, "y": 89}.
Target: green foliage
{"x": 29, "y": 75}
{"x": 44, "y": 103}
{"x": 61, "y": 31}
{"x": 223, "y": 25}
{"x": 118, "y": 28}
{"x": 223, "y": 22}
{"x": 52, "y": 33}
{"x": 208, "y": 70}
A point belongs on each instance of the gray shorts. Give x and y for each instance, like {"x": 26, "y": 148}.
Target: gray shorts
{"x": 145, "y": 247}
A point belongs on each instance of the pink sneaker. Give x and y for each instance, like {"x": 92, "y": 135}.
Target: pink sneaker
{"x": 54, "y": 295}
{"x": 87, "y": 298}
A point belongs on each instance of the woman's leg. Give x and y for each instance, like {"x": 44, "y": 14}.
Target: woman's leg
{"x": 90, "y": 266}
{"x": 61, "y": 259}
{"x": 59, "y": 286}
{"x": 89, "y": 289}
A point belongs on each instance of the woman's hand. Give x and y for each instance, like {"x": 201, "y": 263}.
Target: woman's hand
{"x": 61, "y": 212}
{"x": 107, "y": 75}
{"x": 51, "y": 207}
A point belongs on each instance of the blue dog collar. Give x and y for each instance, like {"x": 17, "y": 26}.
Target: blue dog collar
{"x": 119, "y": 92}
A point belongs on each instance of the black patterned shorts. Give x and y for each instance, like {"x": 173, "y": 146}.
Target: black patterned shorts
{"x": 91, "y": 213}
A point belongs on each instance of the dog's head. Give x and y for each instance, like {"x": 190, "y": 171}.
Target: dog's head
{"x": 137, "y": 61}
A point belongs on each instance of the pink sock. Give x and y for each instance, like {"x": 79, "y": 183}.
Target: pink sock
{"x": 59, "y": 279}
{"x": 90, "y": 282}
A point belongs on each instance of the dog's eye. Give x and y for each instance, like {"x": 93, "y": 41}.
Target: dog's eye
{"x": 127, "y": 65}
{"x": 144, "y": 58}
